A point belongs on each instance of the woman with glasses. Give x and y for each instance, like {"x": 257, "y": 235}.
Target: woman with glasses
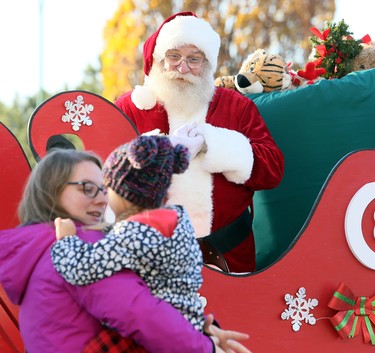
{"x": 58, "y": 317}
{"x": 155, "y": 241}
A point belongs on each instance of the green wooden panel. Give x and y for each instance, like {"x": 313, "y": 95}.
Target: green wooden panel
{"x": 315, "y": 126}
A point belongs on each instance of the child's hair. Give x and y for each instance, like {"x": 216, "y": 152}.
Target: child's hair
{"x": 46, "y": 182}
{"x": 141, "y": 171}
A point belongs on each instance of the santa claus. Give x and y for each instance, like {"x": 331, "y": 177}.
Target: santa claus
{"x": 232, "y": 153}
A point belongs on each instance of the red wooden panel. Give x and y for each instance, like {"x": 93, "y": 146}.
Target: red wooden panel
{"x": 319, "y": 260}
{"x": 10, "y": 337}
{"x": 14, "y": 171}
{"x": 105, "y": 128}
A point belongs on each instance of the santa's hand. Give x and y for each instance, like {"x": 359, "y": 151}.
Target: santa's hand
{"x": 188, "y": 136}
{"x": 186, "y": 130}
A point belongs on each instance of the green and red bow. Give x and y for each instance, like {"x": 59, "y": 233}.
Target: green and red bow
{"x": 353, "y": 314}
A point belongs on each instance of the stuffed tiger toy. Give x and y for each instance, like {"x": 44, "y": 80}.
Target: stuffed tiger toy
{"x": 260, "y": 72}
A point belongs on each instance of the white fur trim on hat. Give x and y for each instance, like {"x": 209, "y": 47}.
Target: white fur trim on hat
{"x": 185, "y": 30}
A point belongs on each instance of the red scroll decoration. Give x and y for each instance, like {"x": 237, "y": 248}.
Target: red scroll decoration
{"x": 353, "y": 314}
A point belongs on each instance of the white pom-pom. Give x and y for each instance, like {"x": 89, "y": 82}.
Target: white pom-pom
{"x": 143, "y": 98}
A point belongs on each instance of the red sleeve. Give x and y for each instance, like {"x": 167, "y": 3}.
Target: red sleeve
{"x": 144, "y": 120}
{"x": 233, "y": 111}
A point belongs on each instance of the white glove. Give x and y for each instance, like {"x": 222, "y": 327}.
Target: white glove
{"x": 188, "y": 136}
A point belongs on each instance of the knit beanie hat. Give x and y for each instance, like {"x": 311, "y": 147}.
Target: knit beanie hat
{"x": 183, "y": 28}
{"x": 141, "y": 171}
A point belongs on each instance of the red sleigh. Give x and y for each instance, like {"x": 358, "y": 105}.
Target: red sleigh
{"x": 293, "y": 302}
{"x": 325, "y": 253}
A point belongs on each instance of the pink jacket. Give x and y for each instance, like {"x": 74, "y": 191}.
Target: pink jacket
{"x": 60, "y": 318}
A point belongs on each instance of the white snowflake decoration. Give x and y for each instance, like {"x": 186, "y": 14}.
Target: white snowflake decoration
{"x": 77, "y": 113}
{"x": 299, "y": 309}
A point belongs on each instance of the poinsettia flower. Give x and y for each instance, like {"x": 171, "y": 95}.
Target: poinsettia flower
{"x": 321, "y": 50}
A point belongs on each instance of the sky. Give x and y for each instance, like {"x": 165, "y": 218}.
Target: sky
{"x": 73, "y": 38}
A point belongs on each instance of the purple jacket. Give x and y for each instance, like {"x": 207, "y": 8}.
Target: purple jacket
{"x": 60, "y": 318}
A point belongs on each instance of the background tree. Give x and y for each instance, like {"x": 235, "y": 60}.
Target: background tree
{"x": 17, "y": 115}
{"x": 92, "y": 80}
{"x": 278, "y": 26}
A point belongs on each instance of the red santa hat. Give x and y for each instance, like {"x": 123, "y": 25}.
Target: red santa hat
{"x": 183, "y": 28}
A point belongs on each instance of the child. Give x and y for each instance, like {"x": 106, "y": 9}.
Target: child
{"x": 158, "y": 243}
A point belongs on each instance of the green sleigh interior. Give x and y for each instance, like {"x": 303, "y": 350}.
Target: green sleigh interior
{"x": 315, "y": 127}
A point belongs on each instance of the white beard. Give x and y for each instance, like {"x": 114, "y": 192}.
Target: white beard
{"x": 184, "y": 96}
{"x": 186, "y": 99}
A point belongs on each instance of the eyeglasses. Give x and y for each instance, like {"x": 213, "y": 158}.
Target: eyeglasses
{"x": 89, "y": 188}
{"x": 193, "y": 62}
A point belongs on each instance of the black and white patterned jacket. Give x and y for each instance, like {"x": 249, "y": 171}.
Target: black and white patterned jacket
{"x": 171, "y": 267}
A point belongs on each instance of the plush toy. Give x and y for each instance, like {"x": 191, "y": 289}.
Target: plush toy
{"x": 365, "y": 59}
{"x": 260, "y": 72}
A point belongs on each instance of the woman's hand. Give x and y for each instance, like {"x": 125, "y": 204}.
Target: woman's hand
{"x": 64, "y": 227}
{"x": 225, "y": 340}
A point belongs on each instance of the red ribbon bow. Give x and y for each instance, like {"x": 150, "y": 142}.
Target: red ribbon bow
{"x": 354, "y": 313}
{"x": 320, "y": 35}
{"x": 366, "y": 39}
{"x": 322, "y": 50}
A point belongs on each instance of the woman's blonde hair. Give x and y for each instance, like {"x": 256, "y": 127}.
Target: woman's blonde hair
{"x": 39, "y": 203}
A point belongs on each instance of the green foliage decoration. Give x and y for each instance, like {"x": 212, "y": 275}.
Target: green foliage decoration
{"x": 335, "y": 48}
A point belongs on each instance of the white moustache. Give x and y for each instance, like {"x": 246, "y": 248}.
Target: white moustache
{"x": 176, "y": 75}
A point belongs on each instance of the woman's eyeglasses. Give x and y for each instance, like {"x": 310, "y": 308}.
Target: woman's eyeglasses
{"x": 89, "y": 188}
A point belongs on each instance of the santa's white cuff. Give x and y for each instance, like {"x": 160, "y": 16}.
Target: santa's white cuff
{"x": 228, "y": 152}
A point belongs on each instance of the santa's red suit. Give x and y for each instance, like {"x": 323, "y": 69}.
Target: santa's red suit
{"x": 218, "y": 186}
{"x": 241, "y": 157}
